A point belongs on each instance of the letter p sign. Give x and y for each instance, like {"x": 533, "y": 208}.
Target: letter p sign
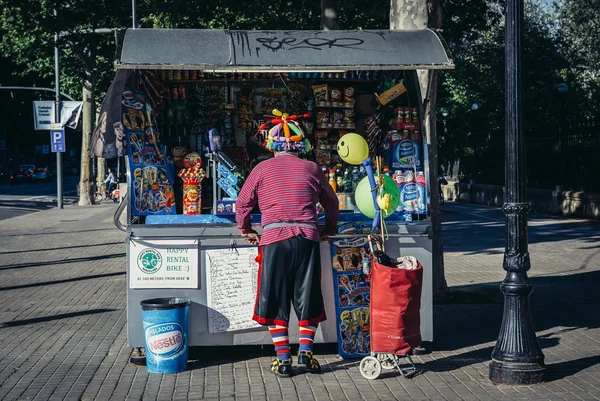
{"x": 57, "y": 139}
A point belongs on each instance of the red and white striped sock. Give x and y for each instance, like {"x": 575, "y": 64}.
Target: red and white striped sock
{"x": 279, "y": 334}
{"x": 307, "y": 337}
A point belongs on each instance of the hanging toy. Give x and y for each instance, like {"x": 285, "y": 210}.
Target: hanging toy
{"x": 285, "y": 135}
{"x": 353, "y": 149}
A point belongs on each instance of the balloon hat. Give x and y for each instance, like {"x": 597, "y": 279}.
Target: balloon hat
{"x": 286, "y": 134}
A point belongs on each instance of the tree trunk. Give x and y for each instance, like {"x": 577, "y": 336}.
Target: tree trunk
{"x": 88, "y": 116}
{"x": 421, "y": 14}
{"x": 329, "y": 15}
{"x": 408, "y": 14}
{"x": 100, "y": 171}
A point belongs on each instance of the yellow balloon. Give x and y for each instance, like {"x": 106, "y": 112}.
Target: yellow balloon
{"x": 353, "y": 148}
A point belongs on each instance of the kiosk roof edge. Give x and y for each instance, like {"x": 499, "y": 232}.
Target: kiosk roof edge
{"x": 293, "y": 51}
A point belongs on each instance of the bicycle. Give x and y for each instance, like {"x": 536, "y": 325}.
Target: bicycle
{"x": 101, "y": 194}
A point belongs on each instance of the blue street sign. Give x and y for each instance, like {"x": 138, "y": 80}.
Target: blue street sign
{"x": 57, "y": 140}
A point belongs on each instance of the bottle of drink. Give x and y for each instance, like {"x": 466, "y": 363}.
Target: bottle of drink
{"x": 340, "y": 178}
{"x": 325, "y": 171}
{"x": 347, "y": 181}
{"x": 340, "y": 183}
{"x": 355, "y": 177}
{"x": 386, "y": 171}
{"x": 332, "y": 180}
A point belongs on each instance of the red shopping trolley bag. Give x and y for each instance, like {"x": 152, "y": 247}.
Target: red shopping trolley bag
{"x": 395, "y": 308}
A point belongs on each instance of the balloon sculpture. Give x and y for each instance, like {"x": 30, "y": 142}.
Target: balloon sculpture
{"x": 286, "y": 134}
{"x": 385, "y": 196}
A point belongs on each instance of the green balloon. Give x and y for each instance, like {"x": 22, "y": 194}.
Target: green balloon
{"x": 364, "y": 200}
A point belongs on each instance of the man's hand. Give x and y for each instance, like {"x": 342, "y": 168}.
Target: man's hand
{"x": 253, "y": 237}
{"x": 324, "y": 237}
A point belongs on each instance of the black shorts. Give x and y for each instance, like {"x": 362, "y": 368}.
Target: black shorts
{"x": 289, "y": 272}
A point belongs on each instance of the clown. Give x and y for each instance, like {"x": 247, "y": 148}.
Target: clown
{"x": 287, "y": 190}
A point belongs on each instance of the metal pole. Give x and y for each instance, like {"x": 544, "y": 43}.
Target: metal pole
{"x": 59, "y": 177}
{"x": 134, "y": 22}
{"x": 517, "y": 357}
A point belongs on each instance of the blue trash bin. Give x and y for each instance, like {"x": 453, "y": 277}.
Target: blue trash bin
{"x": 165, "y": 323}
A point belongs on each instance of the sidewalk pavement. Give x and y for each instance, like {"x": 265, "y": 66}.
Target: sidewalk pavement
{"x": 63, "y": 321}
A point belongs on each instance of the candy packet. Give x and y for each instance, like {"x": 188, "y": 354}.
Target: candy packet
{"x": 321, "y": 92}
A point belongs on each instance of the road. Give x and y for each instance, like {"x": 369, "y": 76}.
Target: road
{"x": 25, "y": 198}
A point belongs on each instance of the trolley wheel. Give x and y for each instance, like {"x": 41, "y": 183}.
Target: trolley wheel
{"x": 387, "y": 361}
{"x": 370, "y": 368}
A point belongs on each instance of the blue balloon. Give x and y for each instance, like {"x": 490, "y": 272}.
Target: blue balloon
{"x": 369, "y": 169}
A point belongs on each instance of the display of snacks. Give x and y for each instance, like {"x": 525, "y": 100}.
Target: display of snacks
{"x": 192, "y": 176}
{"x": 321, "y": 93}
{"x": 192, "y": 197}
{"x": 337, "y": 125}
{"x": 335, "y": 95}
{"x": 196, "y": 101}
{"x": 340, "y": 103}
{"x": 272, "y": 99}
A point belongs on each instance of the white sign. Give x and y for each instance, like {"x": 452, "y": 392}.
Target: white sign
{"x": 231, "y": 284}
{"x": 163, "y": 264}
{"x": 44, "y": 114}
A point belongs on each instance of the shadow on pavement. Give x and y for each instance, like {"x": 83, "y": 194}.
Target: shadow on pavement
{"x": 15, "y": 323}
{"x": 62, "y": 261}
{"x": 561, "y": 370}
{"x": 62, "y": 247}
{"x": 41, "y": 232}
{"x": 559, "y": 304}
{"x": 68, "y": 280}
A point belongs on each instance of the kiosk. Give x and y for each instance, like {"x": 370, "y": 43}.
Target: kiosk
{"x": 202, "y": 257}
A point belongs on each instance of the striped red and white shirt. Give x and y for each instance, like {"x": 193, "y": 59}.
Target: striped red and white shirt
{"x": 287, "y": 189}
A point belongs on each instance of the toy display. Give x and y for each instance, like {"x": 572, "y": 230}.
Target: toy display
{"x": 152, "y": 175}
{"x": 351, "y": 294}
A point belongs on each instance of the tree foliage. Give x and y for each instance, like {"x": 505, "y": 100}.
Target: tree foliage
{"x": 579, "y": 39}
{"x": 561, "y": 45}
{"x": 474, "y": 31}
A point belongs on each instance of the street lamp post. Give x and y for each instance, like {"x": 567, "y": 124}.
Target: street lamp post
{"x": 517, "y": 357}
{"x": 59, "y": 173}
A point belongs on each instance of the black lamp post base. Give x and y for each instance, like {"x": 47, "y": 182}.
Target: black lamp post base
{"x": 514, "y": 373}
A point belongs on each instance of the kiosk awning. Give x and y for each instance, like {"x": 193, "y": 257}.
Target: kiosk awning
{"x": 254, "y": 51}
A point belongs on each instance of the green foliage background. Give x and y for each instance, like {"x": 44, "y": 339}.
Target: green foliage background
{"x": 561, "y": 45}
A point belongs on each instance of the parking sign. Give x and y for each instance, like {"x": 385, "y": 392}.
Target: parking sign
{"x": 57, "y": 138}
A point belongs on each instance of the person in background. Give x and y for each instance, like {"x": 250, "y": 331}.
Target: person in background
{"x": 287, "y": 190}
{"x": 112, "y": 181}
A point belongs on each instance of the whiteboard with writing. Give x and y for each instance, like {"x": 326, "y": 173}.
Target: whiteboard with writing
{"x": 231, "y": 284}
